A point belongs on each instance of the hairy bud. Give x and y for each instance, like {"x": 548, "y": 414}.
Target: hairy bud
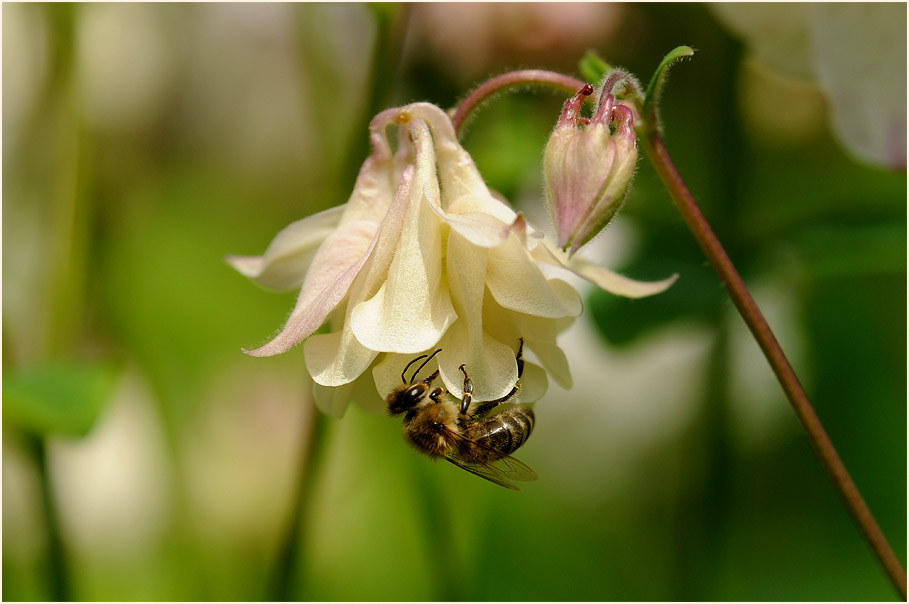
{"x": 588, "y": 165}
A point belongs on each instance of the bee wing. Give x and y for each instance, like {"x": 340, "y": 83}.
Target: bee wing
{"x": 500, "y": 470}
{"x": 492, "y": 473}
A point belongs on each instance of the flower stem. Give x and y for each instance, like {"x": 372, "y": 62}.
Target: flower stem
{"x": 58, "y": 586}
{"x": 747, "y": 307}
{"x": 289, "y": 552}
{"x": 512, "y": 79}
{"x": 740, "y": 295}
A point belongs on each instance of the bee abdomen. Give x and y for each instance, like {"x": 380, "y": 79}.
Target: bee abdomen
{"x": 507, "y": 430}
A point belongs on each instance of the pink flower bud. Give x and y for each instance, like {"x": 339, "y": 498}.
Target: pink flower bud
{"x": 588, "y": 168}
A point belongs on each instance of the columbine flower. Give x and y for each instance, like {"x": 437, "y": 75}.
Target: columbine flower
{"x": 422, "y": 256}
{"x": 588, "y": 168}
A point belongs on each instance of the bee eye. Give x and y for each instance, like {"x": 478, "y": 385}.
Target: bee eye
{"x": 406, "y": 399}
{"x": 415, "y": 393}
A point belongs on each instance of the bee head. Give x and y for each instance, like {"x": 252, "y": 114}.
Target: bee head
{"x": 406, "y": 397}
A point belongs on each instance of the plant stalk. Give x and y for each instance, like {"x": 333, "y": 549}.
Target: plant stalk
{"x": 58, "y": 584}
{"x": 508, "y": 80}
{"x": 741, "y": 297}
{"x": 290, "y": 549}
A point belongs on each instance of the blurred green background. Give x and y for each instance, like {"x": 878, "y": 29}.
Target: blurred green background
{"x": 142, "y": 143}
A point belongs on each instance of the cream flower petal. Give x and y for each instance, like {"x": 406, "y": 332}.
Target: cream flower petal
{"x": 605, "y": 279}
{"x": 481, "y": 219}
{"x": 411, "y": 310}
{"x": 479, "y": 228}
{"x": 517, "y": 283}
{"x": 337, "y": 264}
{"x": 472, "y": 209}
{"x": 457, "y": 172}
{"x": 289, "y": 255}
{"x": 485, "y": 205}
{"x": 337, "y": 358}
{"x": 490, "y": 363}
{"x": 539, "y": 334}
{"x": 394, "y": 321}
{"x": 553, "y": 359}
{"x": 534, "y": 383}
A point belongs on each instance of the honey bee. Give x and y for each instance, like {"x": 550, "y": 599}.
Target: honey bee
{"x": 468, "y": 435}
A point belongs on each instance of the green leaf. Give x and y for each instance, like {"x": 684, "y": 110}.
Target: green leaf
{"x": 57, "y": 398}
{"x": 592, "y": 67}
{"x": 655, "y": 87}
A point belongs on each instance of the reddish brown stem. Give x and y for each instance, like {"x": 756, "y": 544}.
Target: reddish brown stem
{"x": 511, "y": 79}
{"x": 777, "y": 359}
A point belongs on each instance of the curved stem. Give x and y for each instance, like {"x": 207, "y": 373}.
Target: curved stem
{"x": 289, "y": 552}
{"x": 512, "y": 79}
{"x": 775, "y": 356}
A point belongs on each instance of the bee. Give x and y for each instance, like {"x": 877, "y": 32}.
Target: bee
{"x": 468, "y": 435}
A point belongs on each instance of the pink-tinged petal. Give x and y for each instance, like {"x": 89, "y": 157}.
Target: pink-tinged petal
{"x": 517, "y": 283}
{"x": 376, "y": 184}
{"x": 287, "y": 258}
{"x": 605, "y": 279}
{"x": 337, "y": 264}
{"x": 333, "y": 270}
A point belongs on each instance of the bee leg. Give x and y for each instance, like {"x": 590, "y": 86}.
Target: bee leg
{"x": 428, "y": 381}
{"x": 486, "y": 406}
{"x": 468, "y": 391}
{"x": 435, "y": 394}
{"x": 519, "y": 358}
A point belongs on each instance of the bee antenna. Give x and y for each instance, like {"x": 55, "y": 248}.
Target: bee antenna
{"x": 403, "y": 379}
{"x": 414, "y": 376}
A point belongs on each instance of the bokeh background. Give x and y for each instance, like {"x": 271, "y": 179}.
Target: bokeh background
{"x": 146, "y": 458}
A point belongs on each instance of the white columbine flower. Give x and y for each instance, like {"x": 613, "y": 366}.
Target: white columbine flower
{"x": 422, "y": 256}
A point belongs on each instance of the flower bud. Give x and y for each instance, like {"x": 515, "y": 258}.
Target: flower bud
{"x": 588, "y": 168}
